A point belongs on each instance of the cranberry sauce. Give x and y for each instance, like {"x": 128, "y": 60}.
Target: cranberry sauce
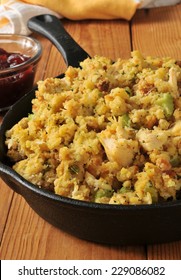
{"x": 14, "y": 85}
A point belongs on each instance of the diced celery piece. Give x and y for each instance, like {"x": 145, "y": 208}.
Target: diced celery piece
{"x": 124, "y": 190}
{"x": 167, "y": 103}
{"x": 128, "y": 91}
{"x": 101, "y": 193}
{"x": 126, "y": 120}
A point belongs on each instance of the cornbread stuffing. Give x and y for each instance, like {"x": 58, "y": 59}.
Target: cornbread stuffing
{"x": 107, "y": 132}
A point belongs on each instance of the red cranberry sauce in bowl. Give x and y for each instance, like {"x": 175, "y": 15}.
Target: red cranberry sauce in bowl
{"x": 19, "y": 56}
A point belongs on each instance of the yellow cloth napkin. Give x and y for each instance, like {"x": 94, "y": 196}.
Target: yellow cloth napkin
{"x": 99, "y": 9}
{"x": 89, "y": 9}
{"x": 14, "y": 14}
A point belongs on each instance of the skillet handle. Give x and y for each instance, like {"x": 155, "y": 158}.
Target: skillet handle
{"x": 51, "y": 27}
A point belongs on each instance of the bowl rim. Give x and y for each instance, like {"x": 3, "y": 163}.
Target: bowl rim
{"x": 31, "y": 60}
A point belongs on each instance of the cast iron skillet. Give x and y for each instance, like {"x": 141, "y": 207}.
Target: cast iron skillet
{"x": 111, "y": 224}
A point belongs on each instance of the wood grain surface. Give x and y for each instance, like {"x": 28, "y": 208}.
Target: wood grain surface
{"x": 23, "y": 234}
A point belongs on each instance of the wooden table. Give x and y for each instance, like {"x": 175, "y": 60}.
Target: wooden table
{"x": 23, "y": 234}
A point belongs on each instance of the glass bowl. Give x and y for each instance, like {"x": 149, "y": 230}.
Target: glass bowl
{"x": 19, "y": 56}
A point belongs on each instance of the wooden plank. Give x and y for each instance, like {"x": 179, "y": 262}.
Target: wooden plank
{"x": 106, "y": 38}
{"x": 46, "y": 48}
{"x": 168, "y": 251}
{"x": 157, "y": 32}
{"x": 20, "y": 238}
{"x": 26, "y": 235}
{"x": 6, "y": 195}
